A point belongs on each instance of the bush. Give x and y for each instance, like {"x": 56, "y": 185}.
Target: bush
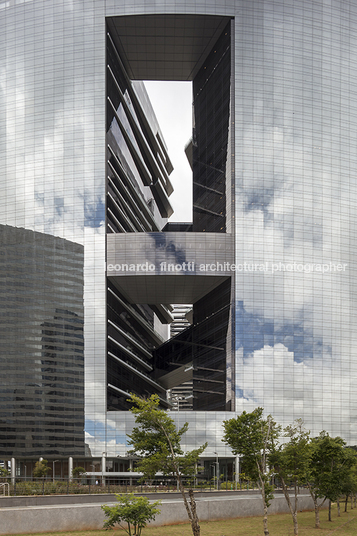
{"x": 133, "y": 511}
{"x": 78, "y": 471}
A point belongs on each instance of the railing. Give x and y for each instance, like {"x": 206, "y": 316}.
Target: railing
{"x": 4, "y": 486}
{"x": 91, "y": 485}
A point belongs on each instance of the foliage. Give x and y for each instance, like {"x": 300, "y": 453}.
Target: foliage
{"x": 292, "y": 463}
{"x": 78, "y": 471}
{"x": 253, "y": 437}
{"x": 41, "y": 469}
{"x": 331, "y": 463}
{"x": 133, "y": 511}
{"x": 158, "y": 443}
{"x": 4, "y": 472}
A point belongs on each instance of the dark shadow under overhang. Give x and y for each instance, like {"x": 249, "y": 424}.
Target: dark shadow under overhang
{"x": 157, "y": 289}
{"x": 165, "y": 47}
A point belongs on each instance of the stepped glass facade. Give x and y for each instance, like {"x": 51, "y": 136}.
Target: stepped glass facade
{"x": 91, "y": 261}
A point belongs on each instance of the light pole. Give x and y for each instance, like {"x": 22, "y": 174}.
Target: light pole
{"x": 53, "y": 470}
{"x": 217, "y": 467}
{"x": 214, "y": 474}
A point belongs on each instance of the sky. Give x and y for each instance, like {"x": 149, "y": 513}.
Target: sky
{"x": 172, "y": 102}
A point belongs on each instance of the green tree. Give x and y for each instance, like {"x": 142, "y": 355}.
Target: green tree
{"x": 41, "y": 469}
{"x": 292, "y": 462}
{"x": 4, "y": 472}
{"x": 133, "y": 511}
{"x": 330, "y": 464}
{"x": 314, "y": 478}
{"x": 253, "y": 437}
{"x": 78, "y": 471}
{"x": 158, "y": 443}
{"x": 349, "y": 484}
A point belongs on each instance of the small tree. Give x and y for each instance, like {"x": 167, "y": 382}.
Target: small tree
{"x": 253, "y": 437}
{"x": 349, "y": 485}
{"x": 292, "y": 462}
{"x": 158, "y": 443}
{"x": 41, "y": 469}
{"x": 330, "y": 464}
{"x": 78, "y": 471}
{"x": 133, "y": 511}
{"x": 314, "y": 478}
{"x": 4, "y": 472}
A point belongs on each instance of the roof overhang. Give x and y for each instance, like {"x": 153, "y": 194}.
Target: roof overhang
{"x": 165, "y": 47}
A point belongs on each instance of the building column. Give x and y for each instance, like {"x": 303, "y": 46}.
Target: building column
{"x": 237, "y": 468}
{"x": 70, "y": 468}
{"x": 103, "y": 467}
{"x": 131, "y": 470}
{"x": 13, "y": 470}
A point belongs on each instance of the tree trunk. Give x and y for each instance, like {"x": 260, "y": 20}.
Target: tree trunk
{"x": 329, "y": 510}
{"x": 338, "y": 508}
{"x": 296, "y": 500}
{"x": 292, "y": 511}
{"x": 265, "y": 519}
{"x": 316, "y": 505}
{"x": 194, "y": 523}
{"x": 296, "y": 527}
{"x": 262, "y": 491}
{"x": 317, "y": 514}
{"x": 351, "y": 502}
{"x": 191, "y": 512}
{"x": 182, "y": 490}
{"x": 346, "y": 502}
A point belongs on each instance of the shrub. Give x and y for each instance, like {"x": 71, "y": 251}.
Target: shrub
{"x": 133, "y": 511}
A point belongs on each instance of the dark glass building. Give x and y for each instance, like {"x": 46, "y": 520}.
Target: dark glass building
{"x": 42, "y": 347}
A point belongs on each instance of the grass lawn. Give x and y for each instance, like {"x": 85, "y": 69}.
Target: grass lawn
{"x": 279, "y": 525}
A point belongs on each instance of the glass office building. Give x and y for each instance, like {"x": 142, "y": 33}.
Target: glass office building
{"x": 42, "y": 383}
{"x": 269, "y": 261}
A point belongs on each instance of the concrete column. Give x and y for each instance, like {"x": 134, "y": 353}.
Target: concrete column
{"x": 131, "y": 470}
{"x": 13, "y": 470}
{"x": 70, "y": 468}
{"x": 237, "y": 471}
{"x": 103, "y": 468}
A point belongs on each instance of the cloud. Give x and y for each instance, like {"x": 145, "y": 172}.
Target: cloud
{"x": 172, "y": 102}
{"x": 314, "y": 389}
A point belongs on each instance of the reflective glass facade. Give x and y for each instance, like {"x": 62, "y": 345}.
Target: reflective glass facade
{"x": 81, "y": 158}
{"x": 41, "y": 352}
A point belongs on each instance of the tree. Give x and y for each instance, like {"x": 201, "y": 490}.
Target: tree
{"x": 158, "y": 443}
{"x": 41, "y": 469}
{"x": 253, "y": 437}
{"x": 313, "y": 479}
{"x": 78, "y": 471}
{"x": 4, "y": 472}
{"x": 134, "y": 511}
{"x": 292, "y": 462}
{"x": 330, "y": 464}
{"x": 349, "y": 484}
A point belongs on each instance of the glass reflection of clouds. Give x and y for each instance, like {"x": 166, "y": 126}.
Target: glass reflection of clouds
{"x": 294, "y": 200}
